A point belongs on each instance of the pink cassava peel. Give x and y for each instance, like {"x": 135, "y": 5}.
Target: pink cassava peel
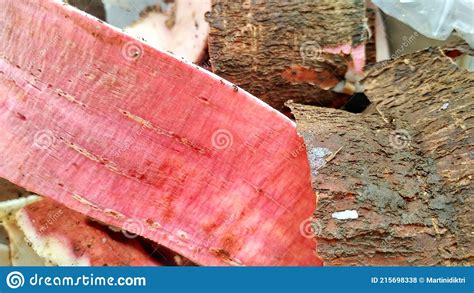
{"x": 66, "y": 237}
{"x": 133, "y": 137}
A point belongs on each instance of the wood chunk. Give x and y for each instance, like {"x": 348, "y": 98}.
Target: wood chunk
{"x": 281, "y": 50}
{"x": 404, "y": 170}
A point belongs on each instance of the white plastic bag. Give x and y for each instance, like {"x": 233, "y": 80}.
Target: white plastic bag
{"x": 434, "y": 18}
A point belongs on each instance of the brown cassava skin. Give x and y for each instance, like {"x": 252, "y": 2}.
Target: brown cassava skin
{"x": 255, "y": 43}
{"x": 414, "y": 198}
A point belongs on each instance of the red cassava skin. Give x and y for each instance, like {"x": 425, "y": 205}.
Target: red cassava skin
{"x": 83, "y": 238}
{"x": 131, "y": 136}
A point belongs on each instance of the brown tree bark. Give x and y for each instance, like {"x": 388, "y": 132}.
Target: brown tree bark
{"x": 403, "y": 170}
{"x": 276, "y": 49}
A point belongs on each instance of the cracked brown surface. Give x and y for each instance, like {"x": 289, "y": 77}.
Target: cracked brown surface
{"x": 252, "y": 43}
{"x": 414, "y": 196}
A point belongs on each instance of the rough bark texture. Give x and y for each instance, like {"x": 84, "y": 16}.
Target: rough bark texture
{"x": 132, "y": 136}
{"x": 277, "y": 50}
{"x": 405, "y": 167}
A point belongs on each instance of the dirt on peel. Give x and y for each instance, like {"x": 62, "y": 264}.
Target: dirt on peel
{"x": 406, "y": 167}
